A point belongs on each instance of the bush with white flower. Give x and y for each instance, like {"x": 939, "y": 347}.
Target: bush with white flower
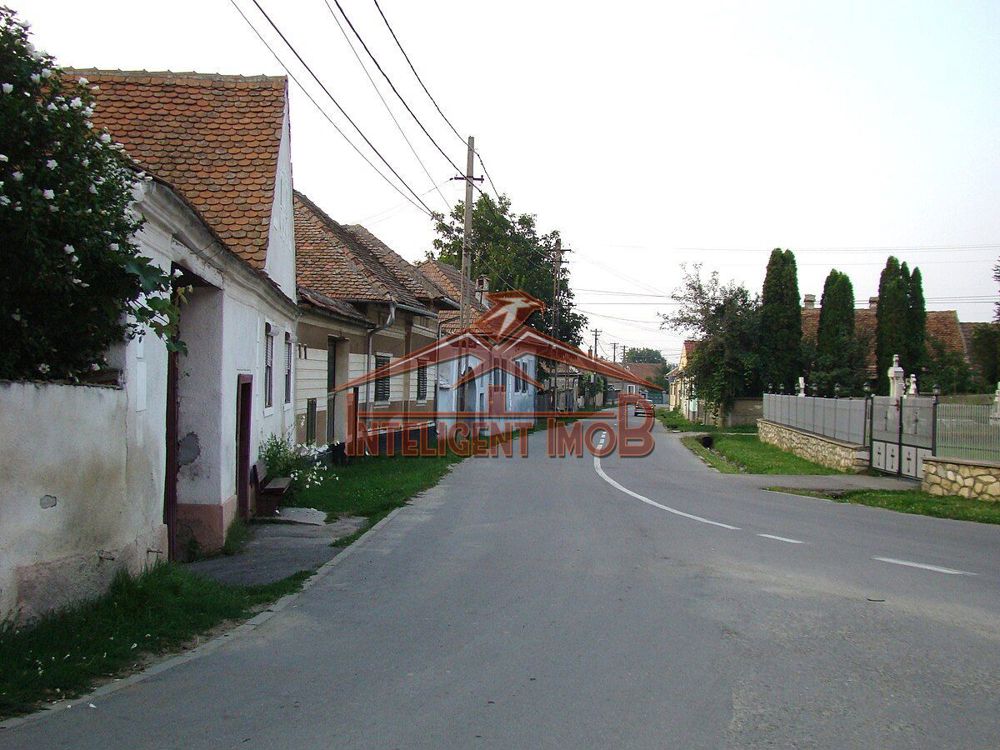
{"x": 72, "y": 282}
{"x": 301, "y": 463}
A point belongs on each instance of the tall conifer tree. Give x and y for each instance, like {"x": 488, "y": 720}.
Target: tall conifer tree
{"x": 892, "y": 326}
{"x": 781, "y": 322}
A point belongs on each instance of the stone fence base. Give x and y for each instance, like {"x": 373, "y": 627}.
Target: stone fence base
{"x": 825, "y": 451}
{"x": 957, "y": 476}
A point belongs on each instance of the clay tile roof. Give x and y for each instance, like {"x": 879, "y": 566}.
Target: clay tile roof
{"x": 415, "y": 282}
{"x": 330, "y": 260}
{"x": 648, "y": 371}
{"x": 214, "y": 139}
{"x": 449, "y": 278}
{"x": 942, "y": 325}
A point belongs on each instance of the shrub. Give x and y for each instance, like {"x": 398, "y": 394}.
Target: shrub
{"x": 301, "y": 463}
{"x": 72, "y": 282}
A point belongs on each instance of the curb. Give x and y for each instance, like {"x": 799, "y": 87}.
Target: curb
{"x": 208, "y": 646}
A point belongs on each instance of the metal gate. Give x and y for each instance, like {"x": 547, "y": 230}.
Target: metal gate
{"x": 902, "y": 434}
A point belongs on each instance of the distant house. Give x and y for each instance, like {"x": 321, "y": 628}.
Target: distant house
{"x": 942, "y": 326}
{"x": 371, "y": 307}
{"x": 680, "y": 383}
{"x": 473, "y": 397}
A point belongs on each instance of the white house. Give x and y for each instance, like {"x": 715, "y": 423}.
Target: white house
{"x": 159, "y": 464}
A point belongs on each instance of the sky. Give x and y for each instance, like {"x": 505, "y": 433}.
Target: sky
{"x": 650, "y": 134}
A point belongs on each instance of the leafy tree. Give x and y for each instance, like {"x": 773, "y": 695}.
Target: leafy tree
{"x": 645, "y": 354}
{"x": 781, "y": 321}
{"x": 838, "y": 356}
{"x": 946, "y": 369}
{"x": 508, "y": 248}
{"x": 985, "y": 354}
{"x": 726, "y": 320}
{"x": 72, "y": 282}
{"x": 892, "y": 327}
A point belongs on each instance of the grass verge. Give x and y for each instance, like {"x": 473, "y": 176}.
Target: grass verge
{"x": 672, "y": 420}
{"x": 911, "y": 501}
{"x": 746, "y": 454}
{"x": 69, "y": 652}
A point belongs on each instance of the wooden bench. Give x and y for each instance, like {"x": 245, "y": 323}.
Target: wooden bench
{"x": 267, "y": 491}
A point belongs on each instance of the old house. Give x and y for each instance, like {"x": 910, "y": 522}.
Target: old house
{"x": 158, "y": 463}
{"x": 396, "y": 310}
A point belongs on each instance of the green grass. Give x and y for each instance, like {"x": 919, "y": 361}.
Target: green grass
{"x": 237, "y": 535}
{"x": 745, "y": 454}
{"x": 672, "y": 420}
{"x": 912, "y": 501}
{"x": 68, "y": 652}
{"x": 374, "y": 486}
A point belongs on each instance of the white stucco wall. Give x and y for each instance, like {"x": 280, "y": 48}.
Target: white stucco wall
{"x": 68, "y": 521}
{"x": 280, "y": 263}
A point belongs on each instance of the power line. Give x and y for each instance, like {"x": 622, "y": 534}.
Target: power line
{"x": 334, "y": 100}
{"x": 323, "y": 111}
{"x": 433, "y": 100}
{"x": 827, "y": 249}
{"x": 391, "y": 84}
{"x": 387, "y": 108}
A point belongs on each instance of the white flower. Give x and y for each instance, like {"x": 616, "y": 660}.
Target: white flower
{"x": 51, "y": 164}
{"x": 18, "y": 176}
{"x": 4, "y": 200}
{"x": 114, "y": 246}
{"x": 95, "y": 367}
{"x": 89, "y": 124}
{"x": 52, "y": 107}
{"x": 46, "y": 72}
{"x": 88, "y": 111}
{"x": 93, "y": 189}
{"x": 35, "y": 78}
{"x": 74, "y": 259}
{"x": 3, "y": 158}
{"x": 43, "y": 368}
{"x": 85, "y": 162}
{"x": 16, "y": 316}
{"x": 76, "y": 102}
{"x": 105, "y": 138}
{"x": 69, "y": 249}
{"x": 7, "y": 88}
{"x": 48, "y": 195}
{"x": 83, "y": 81}
{"x": 95, "y": 88}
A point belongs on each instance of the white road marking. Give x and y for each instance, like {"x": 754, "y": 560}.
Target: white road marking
{"x": 781, "y": 538}
{"x": 923, "y": 566}
{"x": 637, "y": 496}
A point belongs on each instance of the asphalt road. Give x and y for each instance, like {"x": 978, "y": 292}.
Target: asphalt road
{"x": 627, "y": 603}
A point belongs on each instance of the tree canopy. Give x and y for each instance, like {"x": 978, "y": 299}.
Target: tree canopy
{"x": 509, "y": 249}
{"x": 646, "y": 354}
{"x": 781, "y": 321}
{"x": 72, "y": 281}
{"x": 839, "y": 357}
{"x": 726, "y": 320}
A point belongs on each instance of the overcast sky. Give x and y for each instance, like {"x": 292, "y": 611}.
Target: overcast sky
{"x": 650, "y": 134}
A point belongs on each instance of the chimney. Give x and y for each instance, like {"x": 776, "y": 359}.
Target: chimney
{"x": 873, "y": 303}
{"x": 809, "y": 301}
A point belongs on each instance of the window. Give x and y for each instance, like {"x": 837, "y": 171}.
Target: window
{"x": 268, "y": 366}
{"x": 288, "y": 367}
{"x": 311, "y": 421}
{"x": 382, "y": 384}
{"x": 422, "y": 383}
{"x": 520, "y": 384}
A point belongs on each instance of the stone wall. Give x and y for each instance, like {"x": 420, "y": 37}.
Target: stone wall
{"x": 821, "y": 450}
{"x": 956, "y": 476}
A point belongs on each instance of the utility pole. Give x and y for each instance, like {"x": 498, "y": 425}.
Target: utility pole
{"x": 596, "y": 334}
{"x": 624, "y": 349}
{"x": 467, "y": 235}
{"x": 614, "y": 352}
{"x": 556, "y": 273}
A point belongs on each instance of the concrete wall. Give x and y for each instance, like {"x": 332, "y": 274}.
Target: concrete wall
{"x": 821, "y": 450}
{"x": 956, "y": 476}
{"x": 72, "y": 509}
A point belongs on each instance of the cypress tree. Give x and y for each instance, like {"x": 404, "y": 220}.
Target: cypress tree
{"x": 781, "y": 321}
{"x": 916, "y": 356}
{"x": 892, "y": 319}
{"x": 836, "y": 315}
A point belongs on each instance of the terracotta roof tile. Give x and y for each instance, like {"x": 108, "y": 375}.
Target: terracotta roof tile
{"x": 213, "y": 138}
{"x": 330, "y": 260}
{"x": 449, "y": 278}
{"x": 414, "y": 281}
